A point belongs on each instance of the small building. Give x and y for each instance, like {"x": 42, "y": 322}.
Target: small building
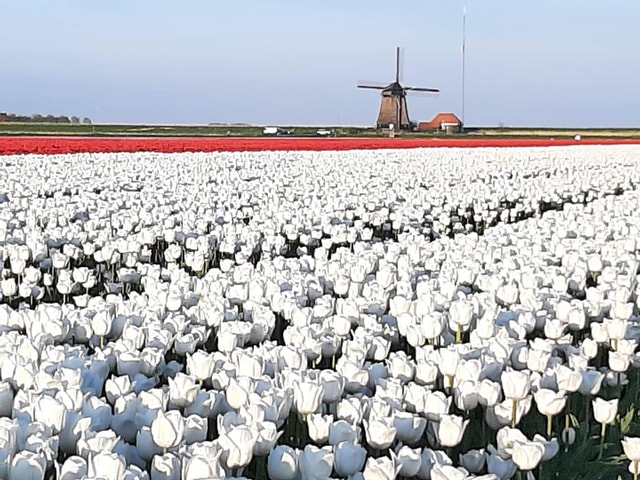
{"x": 442, "y": 122}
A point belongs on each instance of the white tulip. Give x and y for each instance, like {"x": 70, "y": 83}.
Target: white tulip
{"x": 307, "y": 397}
{"x": 237, "y": 393}
{"x": 504, "y": 468}
{"x": 167, "y": 430}
{"x": 110, "y": 466}
{"x": 473, "y": 460}
{"x": 450, "y": 430}
{"x": 318, "y": 427}
{"x": 349, "y": 459}
{"x": 51, "y": 413}
{"x": 436, "y": 404}
{"x": 98, "y": 411}
{"x": 91, "y": 443}
{"x": 631, "y": 447}
{"x": 102, "y": 322}
{"x": 237, "y": 447}
{"x": 550, "y": 403}
{"x": 266, "y": 437}
{"x": 551, "y": 447}
{"x": 619, "y": 362}
{"x": 197, "y": 466}
{"x": 591, "y": 382}
{"x": 409, "y": 428}
{"x": 315, "y": 463}
{"x": 195, "y": 429}
{"x": 515, "y": 384}
{"x": 27, "y": 465}
{"x": 350, "y": 409}
{"x": 341, "y": 431}
{"x": 72, "y": 468}
{"x": 381, "y": 468}
{"x": 166, "y": 467}
{"x": 182, "y": 390}
{"x": 200, "y": 365}
{"x": 282, "y": 463}
{"x": 380, "y": 432}
{"x": 527, "y": 455}
{"x": 448, "y": 472}
{"x": 605, "y": 411}
{"x": 333, "y": 384}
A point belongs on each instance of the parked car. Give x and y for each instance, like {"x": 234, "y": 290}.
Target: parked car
{"x": 275, "y": 131}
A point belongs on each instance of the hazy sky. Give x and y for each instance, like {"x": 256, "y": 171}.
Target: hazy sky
{"x": 528, "y": 63}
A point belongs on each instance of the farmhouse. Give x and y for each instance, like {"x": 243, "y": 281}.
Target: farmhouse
{"x": 446, "y": 122}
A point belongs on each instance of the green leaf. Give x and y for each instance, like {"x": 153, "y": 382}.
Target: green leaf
{"x": 574, "y": 420}
{"x": 625, "y": 422}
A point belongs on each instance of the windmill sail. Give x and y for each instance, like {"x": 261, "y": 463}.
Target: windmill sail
{"x": 393, "y": 103}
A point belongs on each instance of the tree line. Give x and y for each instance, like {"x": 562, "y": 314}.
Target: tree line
{"x": 37, "y": 118}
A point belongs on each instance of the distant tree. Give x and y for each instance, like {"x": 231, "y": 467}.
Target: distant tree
{"x": 63, "y": 119}
{"x": 37, "y": 118}
{"x": 75, "y": 120}
{"x": 86, "y": 121}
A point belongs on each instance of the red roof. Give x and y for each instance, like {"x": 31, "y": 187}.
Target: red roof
{"x": 439, "y": 119}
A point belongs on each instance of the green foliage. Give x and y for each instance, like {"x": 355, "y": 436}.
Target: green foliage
{"x": 49, "y": 125}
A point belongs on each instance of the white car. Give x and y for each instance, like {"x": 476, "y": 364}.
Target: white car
{"x": 275, "y": 131}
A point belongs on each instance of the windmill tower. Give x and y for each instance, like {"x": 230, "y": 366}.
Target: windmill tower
{"x": 393, "y": 104}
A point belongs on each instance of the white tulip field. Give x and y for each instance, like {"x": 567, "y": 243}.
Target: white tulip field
{"x": 429, "y": 313}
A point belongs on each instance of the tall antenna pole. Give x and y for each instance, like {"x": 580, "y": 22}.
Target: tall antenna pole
{"x": 464, "y": 28}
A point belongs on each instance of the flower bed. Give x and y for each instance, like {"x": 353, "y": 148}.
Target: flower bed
{"x": 399, "y": 313}
{"x": 54, "y": 145}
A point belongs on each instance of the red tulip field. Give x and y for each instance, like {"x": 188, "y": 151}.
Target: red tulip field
{"x": 62, "y": 145}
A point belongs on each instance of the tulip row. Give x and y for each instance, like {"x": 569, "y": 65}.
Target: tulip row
{"x": 317, "y": 315}
{"x": 48, "y": 145}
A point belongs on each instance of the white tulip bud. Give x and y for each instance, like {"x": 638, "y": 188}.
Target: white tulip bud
{"x": 167, "y": 430}
{"x": 527, "y": 455}
{"x": 605, "y": 411}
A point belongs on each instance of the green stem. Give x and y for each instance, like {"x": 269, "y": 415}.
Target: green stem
{"x": 635, "y": 469}
{"x": 459, "y": 334}
{"x": 514, "y": 411}
{"x": 549, "y": 419}
{"x": 619, "y": 381}
{"x": 603, "y": 431}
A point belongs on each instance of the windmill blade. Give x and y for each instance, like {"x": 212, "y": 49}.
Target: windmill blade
{"x": 422, "y": 89}
{"x": 372, "y": 87}
{"x": 399, "y": 64}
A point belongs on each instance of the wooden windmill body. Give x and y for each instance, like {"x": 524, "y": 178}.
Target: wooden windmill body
{"x": 393, "y": 102}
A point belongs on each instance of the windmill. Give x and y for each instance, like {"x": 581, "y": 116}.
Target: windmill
{"x": 393, "y": 104}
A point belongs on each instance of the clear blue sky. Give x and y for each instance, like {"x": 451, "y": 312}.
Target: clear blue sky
{"x": 528, "y": 63}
